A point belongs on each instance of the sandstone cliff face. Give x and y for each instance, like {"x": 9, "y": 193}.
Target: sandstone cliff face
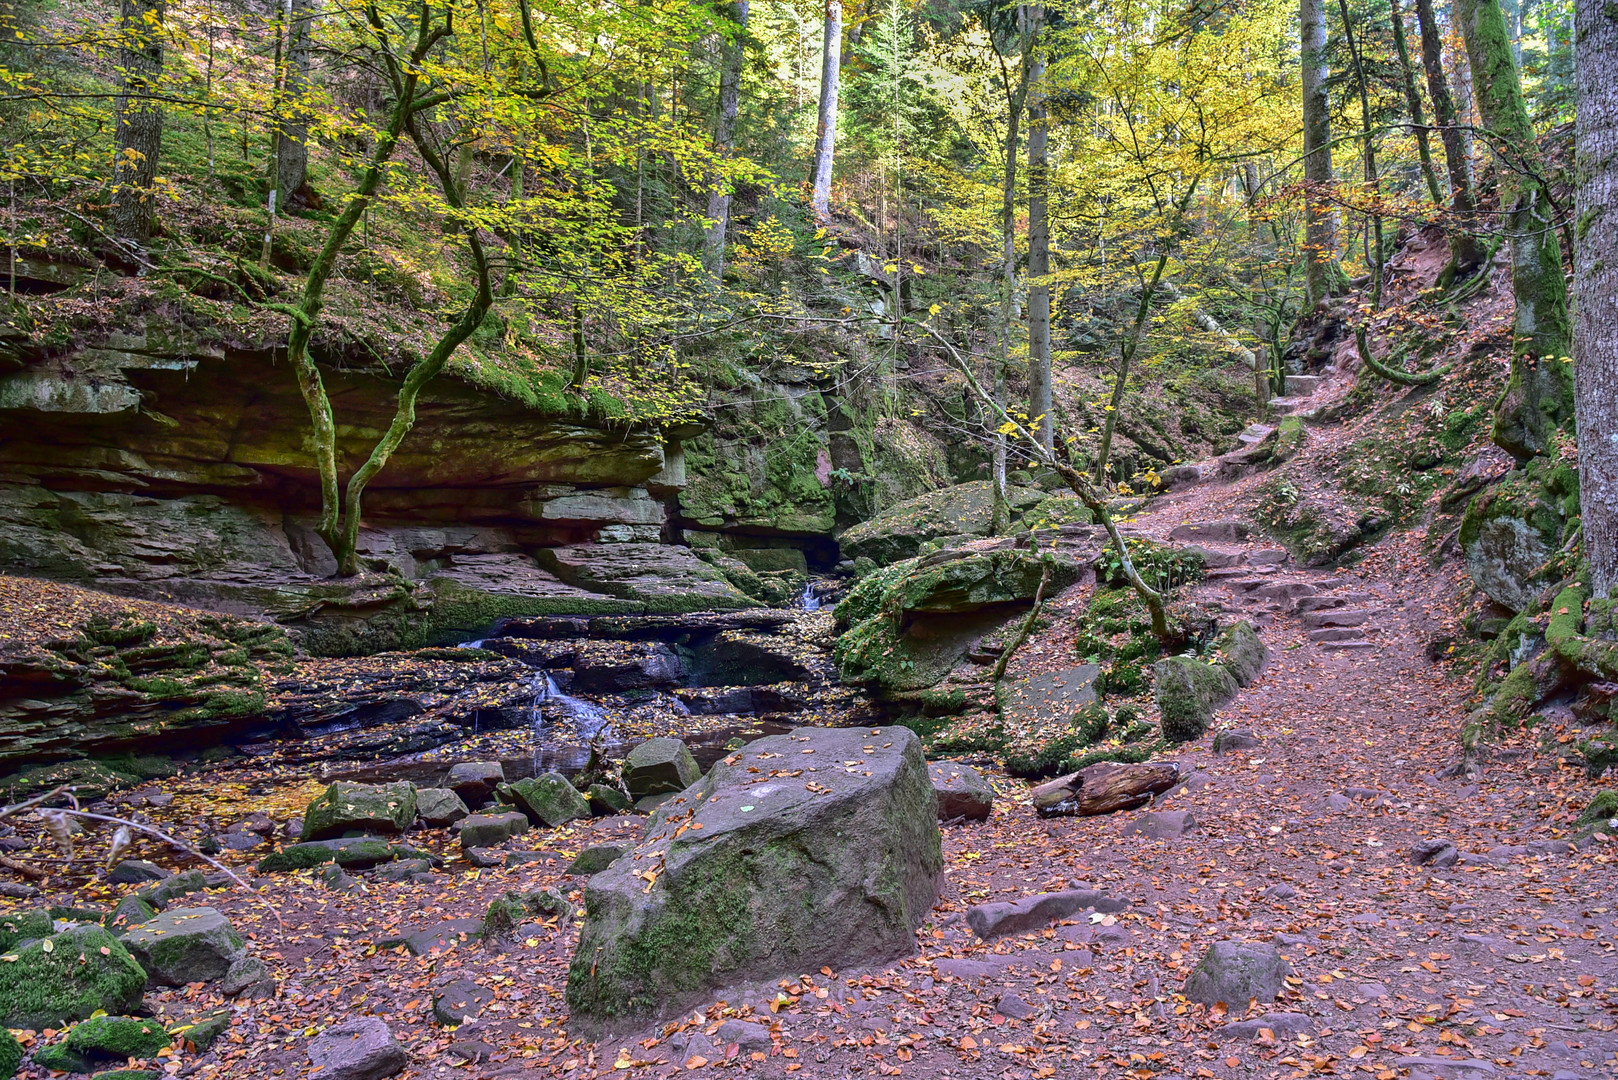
{"x": 155, "y": 466}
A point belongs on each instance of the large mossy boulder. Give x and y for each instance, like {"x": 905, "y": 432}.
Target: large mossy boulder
{"x": 549, "y": 799}
{"x": 962, "y": 512}
{"x": 1510, "y": 532}
{"x": 67, "y": 977}
{"x": 1188, "y": 691}
{"x": 658, "y": 766}
{"x": 10, "y": 1054}
{"x": 910, "y": 624}
{"x": 185, "y": 945}
{"x": 348, "y": 808}
{"x": 1242, "y": 653}
{"x": 750, "y": 875}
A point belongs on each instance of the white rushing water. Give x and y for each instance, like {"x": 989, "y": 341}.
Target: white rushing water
{"x": 588, "y": 718}
{"x": 810, "y": 601}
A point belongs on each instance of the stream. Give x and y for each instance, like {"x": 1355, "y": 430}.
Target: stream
{"x": 714, "y": 680}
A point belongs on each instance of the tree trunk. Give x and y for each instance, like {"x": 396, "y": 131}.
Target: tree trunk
{"x": 1372, "y": 180}
{"x": 1466, "y": 254}
{"x": 831, "y": 65}
{"x": 1539, "y": 396}
{"x": 1320, "y": 229}
{"x": 1595, "y": 271}
{"x": 731, "y": 55}
{"x": 292, "y": 145}
{"x": 1039, "y": 247}
{"x": 139, "y": 134}
{"x": 1016, "y": 97}
{"x": 1413, "y": 100}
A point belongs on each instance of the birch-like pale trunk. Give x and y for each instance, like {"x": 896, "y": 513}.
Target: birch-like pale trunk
{"x": 831, "y": 70}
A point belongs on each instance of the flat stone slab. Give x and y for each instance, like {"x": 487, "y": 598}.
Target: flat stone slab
{"x": 1053, "y": 696}
{"x": 436, "y": 938}
{"x": 1162, "y": 825}
{"x": 989, "y": 921}
{"x": 1283, "y": 1025}
{"x": 487, "y": 830}
{"x": 1302, "y": 385}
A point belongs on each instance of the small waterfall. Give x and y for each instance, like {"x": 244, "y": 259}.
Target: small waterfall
{"x": 589, "y": 719}
{"x": 810, "y": 601}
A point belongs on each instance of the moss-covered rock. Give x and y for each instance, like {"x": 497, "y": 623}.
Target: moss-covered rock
{"x": 593, "y": 860}
{"x": 439, "y": 807}
{"x": 350, "y": 853}
{"x": 131, "y": 911}
{"x": 660, "y": 765}
{"x": 836, "y": 867}
{"x": 10, "y": 1054}
{"x": 605, "y": 799}
{"x": 185, "y": 945}
{"x": 509, "y": 912}
{"x": 104, "y": 1040}
{"x": 67, "y": 977}
{"x": 965, "y": 511}
{"x": 346, "y": 807}
{"x": 1510, "y": 532}
{"x": 1242, "y": 653}
{"x": 549, "y": 799}
{"x": 1188, "y": 691}
{"x": 22, "y": 926}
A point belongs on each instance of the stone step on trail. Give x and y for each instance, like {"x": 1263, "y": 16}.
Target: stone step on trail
{"x": 1336, "y": 633}
{"x": 1284, "y": 406}
{"x": 1302, "y": 385}
{"x": 1219, "y": 532}
{"x": 1254, "y": 434}
{"x": 1340, "y": 617}
{"x": 1285, "y": 590}
{"x": 1347, "y": 646}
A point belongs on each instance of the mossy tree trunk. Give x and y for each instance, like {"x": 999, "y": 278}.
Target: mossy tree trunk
{"x": 1595, "y": 270}
{"x": 292, "y": 140}
{"x": 1324, "y": 275}
{"x": 731, "y": 56}
{"x": 1039, "y": 246}
{"x": 138, "y": 137}
{"x": 1413, "y": 102}
{"x": 340, "y": 511}
{"x": 1539, "y": 397}
{"x": 1466, "y": 254}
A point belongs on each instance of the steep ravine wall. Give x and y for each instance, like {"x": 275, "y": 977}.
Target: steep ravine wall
{"x": 160, "y": 468}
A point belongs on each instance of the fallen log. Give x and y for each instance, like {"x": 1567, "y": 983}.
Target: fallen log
{"x": 1104, "y": 788}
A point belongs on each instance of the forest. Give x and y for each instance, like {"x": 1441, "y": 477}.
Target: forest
{"x": 830, "y": 537}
